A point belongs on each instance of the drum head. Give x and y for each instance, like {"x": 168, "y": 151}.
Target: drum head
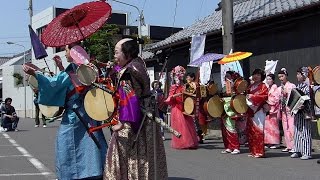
{"x": 215, "y": 106}
{"x": 49, "y": 111}
{"x": 241, "y": 86}
{"x": 316, "y": 74}
{"x": 317, "y": 98}
{"x": 98, "y": 104}
{"x": 33, "y": 82}
{"x": 212, "y": 89}
{"x": 188, "y": 105}
{"x": 239, "y": 104}
{"x": 86, "y": 74}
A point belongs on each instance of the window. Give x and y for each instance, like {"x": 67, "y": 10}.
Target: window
{"x": 40, "y": 32}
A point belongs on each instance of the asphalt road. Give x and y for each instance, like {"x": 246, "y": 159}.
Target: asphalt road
{"x": 29, "y": 155}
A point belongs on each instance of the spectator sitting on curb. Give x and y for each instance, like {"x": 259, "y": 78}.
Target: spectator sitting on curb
{"x": 9, "y": 116}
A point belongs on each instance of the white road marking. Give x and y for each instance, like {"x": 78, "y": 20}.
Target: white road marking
{"x": 35, "y": 162}
{"x": 26, "y": 174}
{"x": 13, "y": 156}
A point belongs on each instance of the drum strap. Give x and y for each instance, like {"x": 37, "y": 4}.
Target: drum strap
{"x": 251, "y": 112}
{"x": 71, "y": 93}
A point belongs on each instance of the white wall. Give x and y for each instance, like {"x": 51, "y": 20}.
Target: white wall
{"x": 10, "y": 89}
{"x": 17, "y": 93}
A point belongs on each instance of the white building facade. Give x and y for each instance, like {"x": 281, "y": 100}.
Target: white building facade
{"x": 23, "y": 97}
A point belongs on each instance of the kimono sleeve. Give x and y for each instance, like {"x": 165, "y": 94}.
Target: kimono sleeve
{"x": 170, "y": 99}
{"x": 274, "y": 95}
{"x": 53, "y": 90}
{"x": 260, "y": 96}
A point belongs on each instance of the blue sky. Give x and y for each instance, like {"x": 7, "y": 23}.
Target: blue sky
{"x": 15, "y": 16}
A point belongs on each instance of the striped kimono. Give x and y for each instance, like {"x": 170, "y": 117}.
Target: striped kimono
{"x": 302, "y": 131}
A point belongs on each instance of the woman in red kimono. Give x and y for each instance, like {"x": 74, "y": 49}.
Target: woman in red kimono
{"x": 182, "y": 123}
{"x": 257, "y": 96}
{"x": 200, "y": 121}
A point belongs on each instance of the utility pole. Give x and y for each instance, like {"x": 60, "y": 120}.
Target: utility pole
{"x": 30, "y": 8}
{"x": 227, "y": 26}
{"x": 141, "y": 22}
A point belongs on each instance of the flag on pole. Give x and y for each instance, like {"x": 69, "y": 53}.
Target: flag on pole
{"x": 271, "y": 66}
{"x": 197, "y": 47}
{"x": 205, "y": 72}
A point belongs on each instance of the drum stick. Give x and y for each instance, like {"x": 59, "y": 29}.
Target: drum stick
{"x": 112, "y": 123}
{"x": 103, "y": 88}
{"x": 87, "y": 128}
{"x": 179, "y": 94}
{"x": 162, "y": 123}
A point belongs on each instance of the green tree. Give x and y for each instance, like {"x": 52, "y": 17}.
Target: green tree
{"x": 101, "y": 44}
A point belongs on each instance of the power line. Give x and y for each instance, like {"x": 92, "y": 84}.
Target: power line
{"x": 200, "y": 9}
{"x": 174, "y": 15}
{"x": 7, "y": 53}
{"x": 144, "y": 3}
{"x": 17, "y": 37}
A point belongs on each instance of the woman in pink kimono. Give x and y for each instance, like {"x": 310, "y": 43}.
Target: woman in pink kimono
{"x": 271, "y": 129}
{"x": 257, "y": 96}
{"x": 182, "y": 123}
{"x": 285, "y": 115}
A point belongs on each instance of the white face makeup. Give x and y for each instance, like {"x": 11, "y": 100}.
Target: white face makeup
{"x": 177, "y": 80}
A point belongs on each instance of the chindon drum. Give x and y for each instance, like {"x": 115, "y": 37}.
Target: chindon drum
{"x": 316, "y": 74}
{"x": 240, "y": 85}
{"x": 51, "y": 111}
{"x": 212, "y": 88}
{"x": 33, "y": 82}
{"x": 99, "y": 104}
{"x": 214, "y": 106}
{"x": 239, "y": 104}
{"x": 317, "y": 98}
{"x": 87, "y": 75}
{"x": 189, "y": 105}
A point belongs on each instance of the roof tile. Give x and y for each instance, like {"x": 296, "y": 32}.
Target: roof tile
{"x": 244, "y": 11}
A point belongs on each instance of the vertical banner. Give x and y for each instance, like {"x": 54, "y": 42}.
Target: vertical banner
{"x": 233, "y": 66}
{"x": 150, "y": 71}
{"x": 162, "y": 79}
{"x": 197, "y": 47}
{"x": 205, "y": 72}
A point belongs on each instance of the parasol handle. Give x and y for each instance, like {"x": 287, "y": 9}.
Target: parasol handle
{"x": 50, "y": 72}
{"x": 77, "y": 24}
